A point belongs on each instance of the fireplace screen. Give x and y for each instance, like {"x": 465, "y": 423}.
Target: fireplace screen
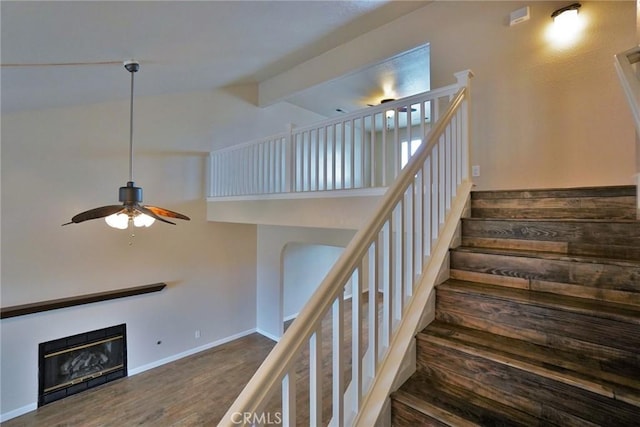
{"x": 73, "y": 364}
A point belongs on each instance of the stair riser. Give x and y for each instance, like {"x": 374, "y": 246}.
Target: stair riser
{"x": 534, "y": 394}
{"x": 619, "y": 252}
{"x": 405, "y": 416}
{"x": 541, "y": 325}
{"x": 612, "y": 240}
{"x": 580, "y": 291}
{"x": 621, "y": 281}
{"x": 535, "y": 357}
{"x": 568, "y": 208}
{"x": 609, "y": 357}
{"x": 562, "y": 193}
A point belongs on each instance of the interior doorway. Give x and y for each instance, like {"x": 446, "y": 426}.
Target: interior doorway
{"x": 304, "y": 266}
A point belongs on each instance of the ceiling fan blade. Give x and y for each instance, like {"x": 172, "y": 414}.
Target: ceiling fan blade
{"x": 167, "y": 212}
{"x": 96, "y": 213}
{"x": 149, "y": 212}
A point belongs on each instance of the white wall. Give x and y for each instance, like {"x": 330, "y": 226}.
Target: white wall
{"x": 304, "y": 267}
{"x": 331, "y": 209}
{"x": 542, "y": 116}
{"x": 272, "y": 241}
{"x": 59, "y": 162}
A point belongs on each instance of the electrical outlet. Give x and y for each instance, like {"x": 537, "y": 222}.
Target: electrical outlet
{"x": 475, "y": 170}
{"x": 197, "y": 333}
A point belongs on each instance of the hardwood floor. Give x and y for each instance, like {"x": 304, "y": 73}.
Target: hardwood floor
{"x": 193, "y": 391}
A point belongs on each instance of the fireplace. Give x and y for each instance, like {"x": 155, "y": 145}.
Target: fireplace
{"x": 73, "y": 364}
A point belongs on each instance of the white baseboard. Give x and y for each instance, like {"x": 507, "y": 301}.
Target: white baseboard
{"x": 293, "y": 316}
{"x": 189, "y": 352}
{"x": 17, "y": 412}
{"x": 268, "y": 335}
{"x": 33, "y": 406}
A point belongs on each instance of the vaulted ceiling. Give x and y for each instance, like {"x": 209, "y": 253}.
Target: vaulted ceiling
{"x": 181, "y": 45}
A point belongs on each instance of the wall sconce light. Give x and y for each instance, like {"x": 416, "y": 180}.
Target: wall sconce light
{"x": 566, "y": 23}
{"x": 568, "y": 12}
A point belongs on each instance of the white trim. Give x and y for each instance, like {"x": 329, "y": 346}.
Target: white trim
{"x": 17, "y": 412}
{"x": 638, "y": 192}
{"x": 131, "y": 372}
{"x": 629, "y": 81}
{"x": 268, "y": 335}
{"x": 179, "y": 356}
{"x": 293, "y": 316}
{"x": 330, "y": 194}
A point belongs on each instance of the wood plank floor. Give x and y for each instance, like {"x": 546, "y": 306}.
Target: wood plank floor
{"x": 193, "y": 391}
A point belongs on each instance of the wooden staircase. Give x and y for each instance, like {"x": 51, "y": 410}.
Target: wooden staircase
{"x": 539, "y": 323}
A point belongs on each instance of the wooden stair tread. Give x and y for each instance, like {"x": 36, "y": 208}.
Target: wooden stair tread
{"x": 602, "y": 309}
{"x": 558, "y": 220}
{"x": 608, "y": 191}
{"x": 457, "y": 406}
{"x": 550, "y": 255}
{"x": 567, "y": 367}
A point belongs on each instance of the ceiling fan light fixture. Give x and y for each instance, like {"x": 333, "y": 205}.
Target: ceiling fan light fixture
{"x": 118, "y": 220}
{"x": 132, "y": 211}
{"x": 142, "y": 220}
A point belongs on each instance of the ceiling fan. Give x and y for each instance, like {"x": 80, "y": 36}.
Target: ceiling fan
{"x": 131, "y": 211}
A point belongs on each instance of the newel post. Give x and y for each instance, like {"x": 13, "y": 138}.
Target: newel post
{"x": 464, "y": 80}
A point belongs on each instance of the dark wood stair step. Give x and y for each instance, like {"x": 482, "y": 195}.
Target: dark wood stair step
{"x": 602, "y": 238}
{"x": 586, "y": 207}
{"x": 597, "y": 309}
{"x": 424, "y": 398}
{"x": 545, "y": 193}
{"x": 580, "y": 276}
{"x": 621, "y": 383}
{"x": 556, "y": 402}
{"x": 617, "y": 202}
{"x": 603, "y": 330}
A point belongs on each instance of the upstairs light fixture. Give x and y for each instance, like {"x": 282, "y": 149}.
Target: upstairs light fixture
{"x": 567, "y": 13}
{"x": 131, "y": 211}
{"x": 566, "y": 23}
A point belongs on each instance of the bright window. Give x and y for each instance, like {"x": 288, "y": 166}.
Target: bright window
{"x": 404, "y": 151}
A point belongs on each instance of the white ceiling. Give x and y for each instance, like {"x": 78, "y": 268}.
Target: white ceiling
{"x": 403, "y": 75}
{"x": 181, "y": 45}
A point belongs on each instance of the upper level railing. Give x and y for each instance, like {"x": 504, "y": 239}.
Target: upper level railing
{"x": 363, "y": 149}
{"x": 628, "y": 67}
{"x": 383, "y": 265}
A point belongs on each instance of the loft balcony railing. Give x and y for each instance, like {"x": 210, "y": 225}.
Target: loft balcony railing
{"x": 389, "y": 268}
{"x": 359, "y": 150}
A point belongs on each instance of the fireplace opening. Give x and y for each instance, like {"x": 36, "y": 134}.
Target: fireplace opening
{"x": 73, "y": 364}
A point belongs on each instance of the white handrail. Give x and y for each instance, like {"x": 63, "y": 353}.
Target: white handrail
{"x": 630, "y": 80}
{"x": 389, "y": 254}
